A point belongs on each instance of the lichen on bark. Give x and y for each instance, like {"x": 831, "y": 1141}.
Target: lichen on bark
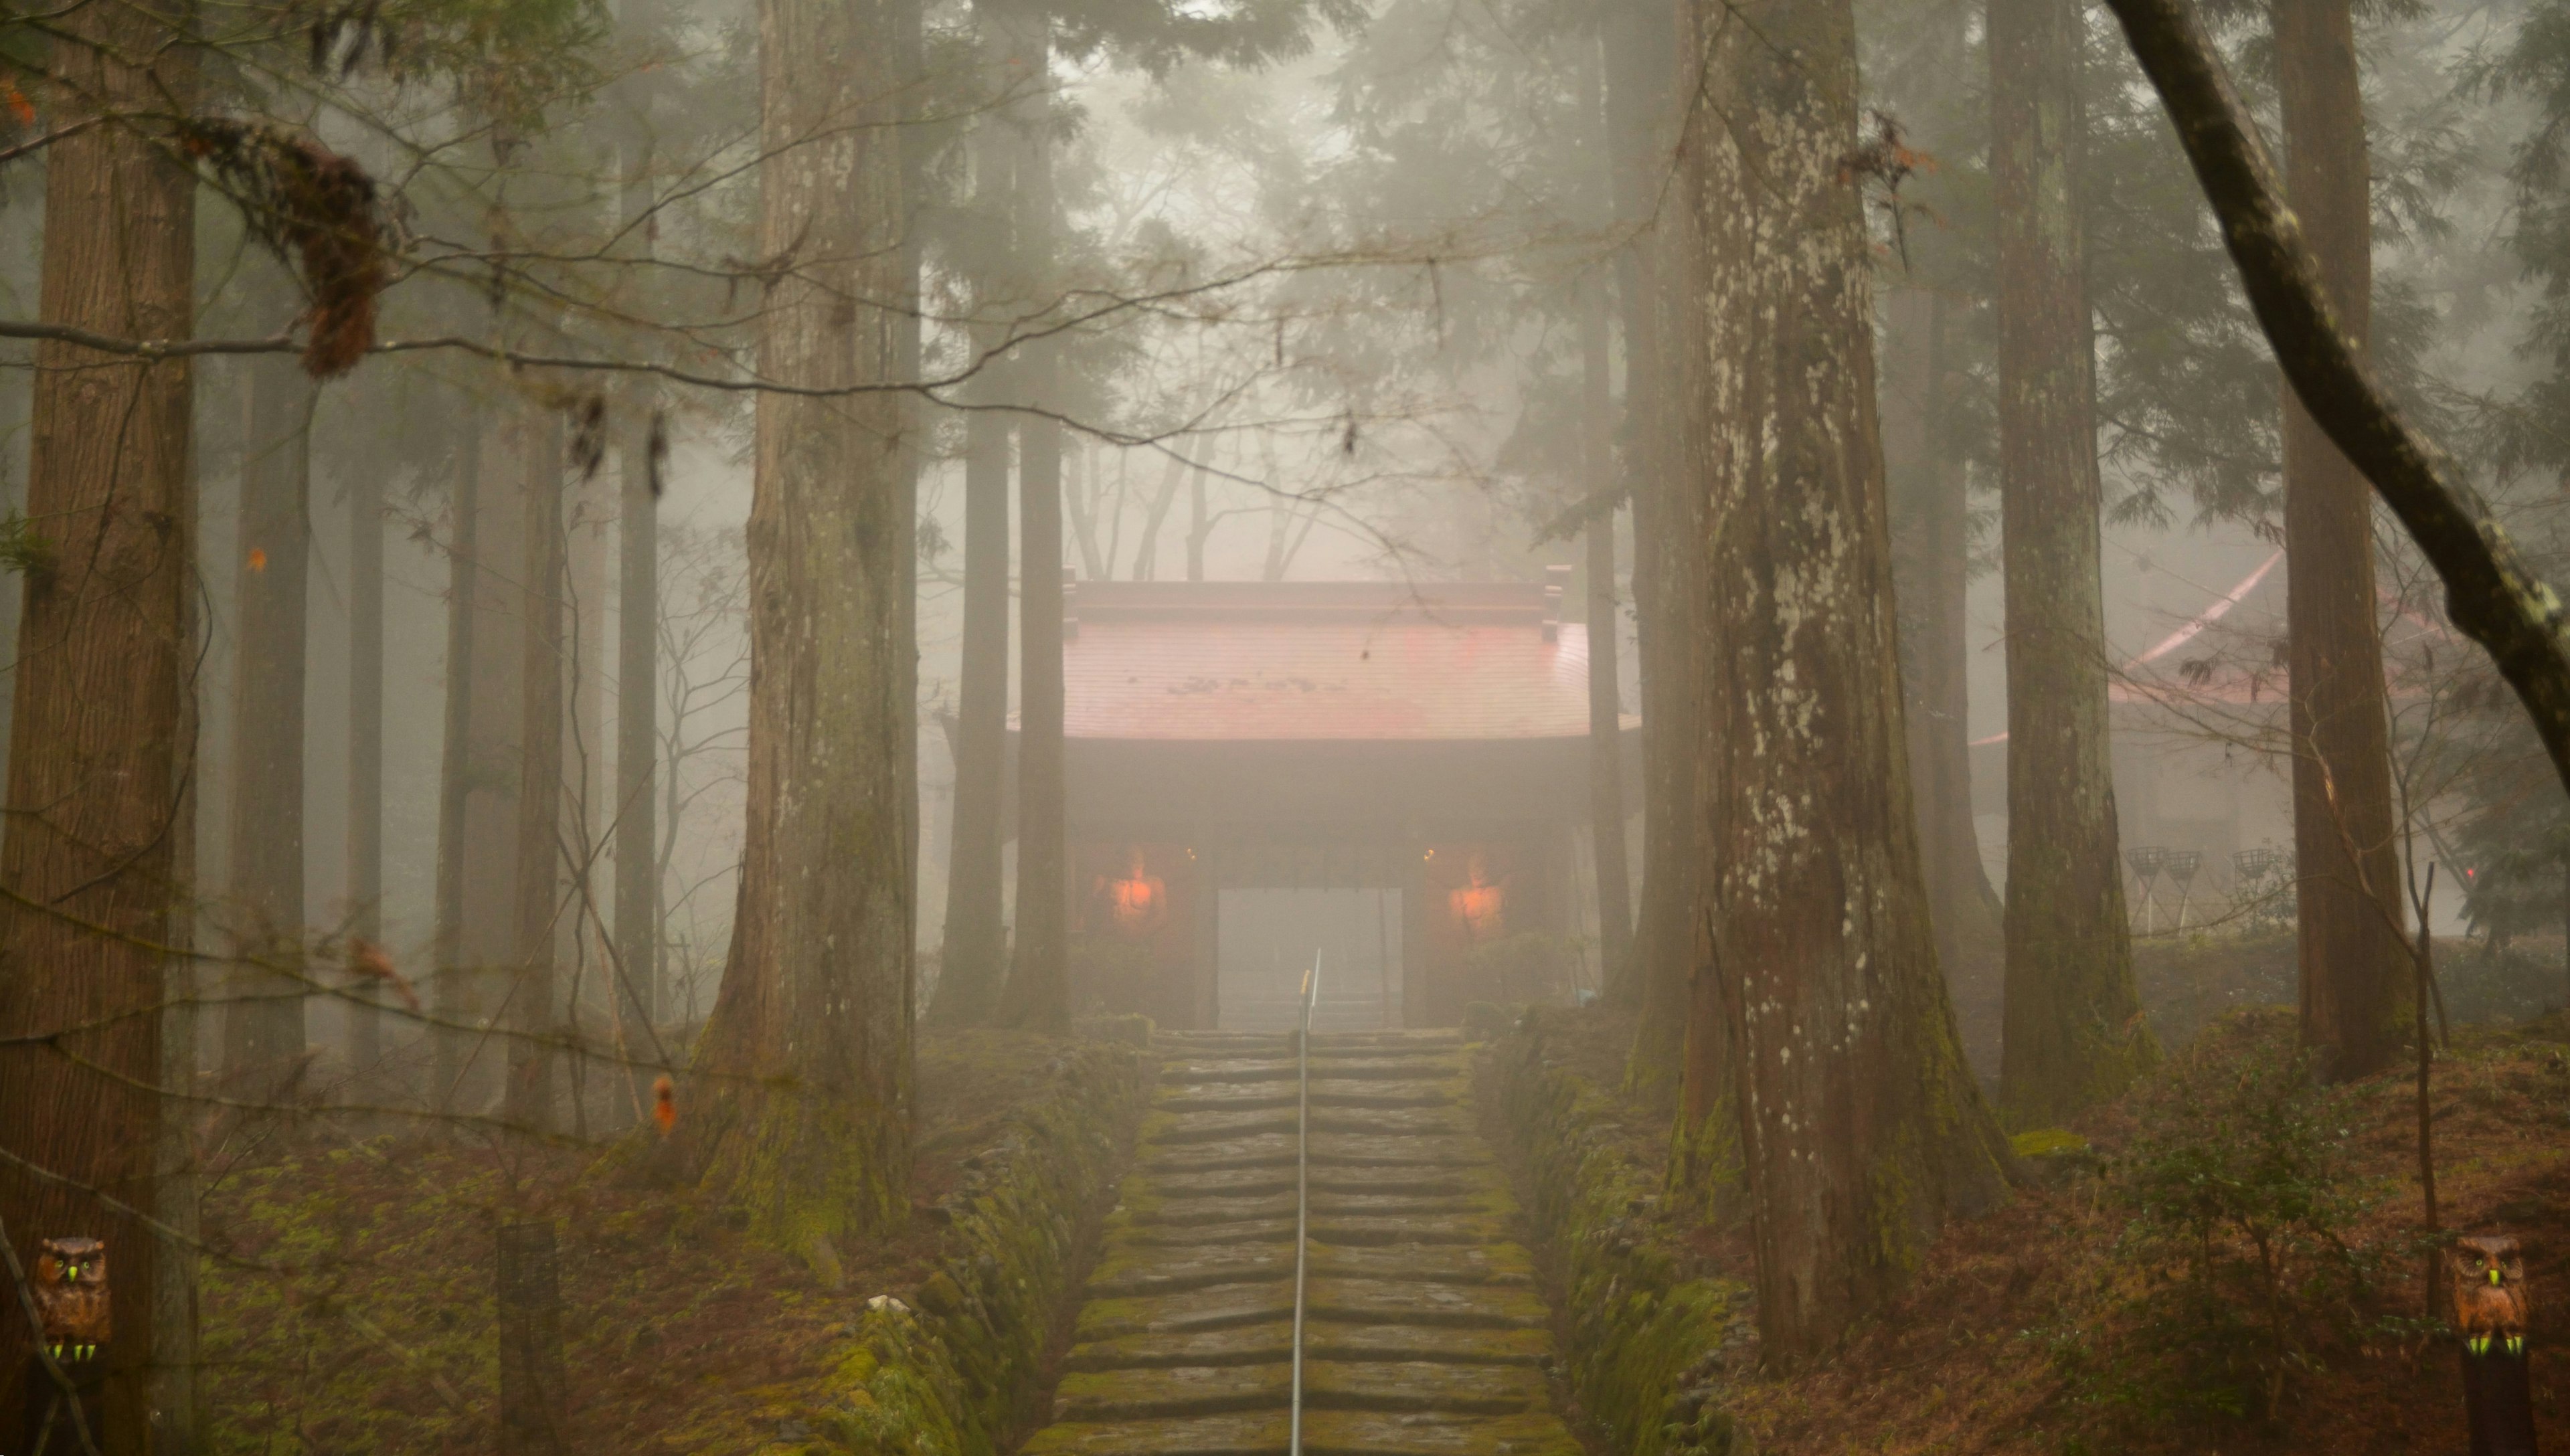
{"x": 804, "y": 1074}
{"x": 1860, "y": 1128}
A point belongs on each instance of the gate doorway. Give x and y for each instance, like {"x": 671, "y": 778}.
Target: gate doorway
{"x": 1264, "y": 940}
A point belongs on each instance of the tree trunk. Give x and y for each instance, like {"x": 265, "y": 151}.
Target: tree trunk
{"x": 1606, "y": 687}
{"x": 1931, "y": 578}
{"x": 2074, "y": 1026}
{"x": 98, "y": 765}
{"x": 975, "y": 957}
{"x": 486, "y": 762}
{"x": 1640, "y": 37}
{"x": 532, "y": 1018}
{"x": 1861, "y": 1131}
{"x": 1085, "y": 497}
{"x": 1199, "y": 525}
{"x": 584, "y": 634}
{"x": 365, "y": 880}
{"x": 973, "y": 963}
{"x": 447, "y": 987}
{"x": 1146, "y": 553}
{"x": 637, "y": 726}
{"x": 1039, "y": 990}
{"x": 806, "y": 1064}
{"x": 263, "y": 994}
{"x": 2351, "y": 952}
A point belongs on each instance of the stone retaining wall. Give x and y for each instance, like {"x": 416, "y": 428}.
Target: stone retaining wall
{"x": 950, "y": 1370}
{"x": 1645, "y": 1328}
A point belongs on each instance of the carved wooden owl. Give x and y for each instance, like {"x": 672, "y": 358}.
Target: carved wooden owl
{"x": 2492, "y": 1302}
{"x": 71, "y": 1295}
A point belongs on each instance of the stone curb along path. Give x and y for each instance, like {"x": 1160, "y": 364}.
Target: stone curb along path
{"x": 1427, "y": 1336}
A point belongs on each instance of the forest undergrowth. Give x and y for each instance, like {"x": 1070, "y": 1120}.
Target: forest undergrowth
{"x": 2228, "y": 1259}
{"x": 350, "y": 1296}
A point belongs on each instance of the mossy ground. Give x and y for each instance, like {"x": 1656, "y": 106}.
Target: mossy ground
{"x": 351, "y": 1306}
{"x": 2008, "y": 1340}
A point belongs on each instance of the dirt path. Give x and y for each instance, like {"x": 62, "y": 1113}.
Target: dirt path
{"x": 1427, "y": 1336}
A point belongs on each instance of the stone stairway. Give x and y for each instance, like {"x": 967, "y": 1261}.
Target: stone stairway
{"x": 1425, "y": 1338}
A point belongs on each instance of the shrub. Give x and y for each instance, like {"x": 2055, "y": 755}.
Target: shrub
{"x": 2237, "y": 1257}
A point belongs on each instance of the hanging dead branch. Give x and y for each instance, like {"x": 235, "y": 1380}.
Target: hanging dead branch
{"x": 320, "y": 212}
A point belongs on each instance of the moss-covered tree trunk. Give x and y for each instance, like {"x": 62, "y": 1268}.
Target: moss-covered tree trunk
{"x": 804, "y": 1078}
{"x": 2073, "y": 1028}
{"x": 1930, "y": 567}
{"x": 1861, "y": 1130}
{"x": 2350, "y": 943}
{"x": 263, "y": 989}
{"x": 99, "y": 746}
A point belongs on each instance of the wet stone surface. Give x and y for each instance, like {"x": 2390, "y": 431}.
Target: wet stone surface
{"x": 1425, "y": 1337}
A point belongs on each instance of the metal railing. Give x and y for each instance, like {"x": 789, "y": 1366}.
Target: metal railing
{"x": 1302, "y": 1191}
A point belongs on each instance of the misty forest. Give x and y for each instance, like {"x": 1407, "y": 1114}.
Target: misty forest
{"x": 1244, "y": 727}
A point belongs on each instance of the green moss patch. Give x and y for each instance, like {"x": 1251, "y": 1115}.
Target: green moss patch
{"x": 1640, "y": 1311}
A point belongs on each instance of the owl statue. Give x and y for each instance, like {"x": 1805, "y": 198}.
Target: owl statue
{"x": 71, "y": 1297}
{"x": 2492, "y": 1304}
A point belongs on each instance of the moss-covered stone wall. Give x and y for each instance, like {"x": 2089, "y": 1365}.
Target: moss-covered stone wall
{"x": 950, "y": 1370}
{"x": 1644, "y": 1322}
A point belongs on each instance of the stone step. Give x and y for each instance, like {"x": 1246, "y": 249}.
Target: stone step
{"x": 1126, "y": 1270}
{"x": 1279, "y": 1148}
{"x": 1324, "y": 1433}
{"x": 1259, "y": 1345}
{"x": 1142, "y": 1207}
{"x": 1252, "y": 1096}
{"x": 1346, "y": 1301}
{"x": 1160, "y": 1392}
{"x": 1176, "y": 1128}
{"x": 1336, "y": 1229}
{"x": 1423, "y": 1181}
{"x": 1360, "y": 1069}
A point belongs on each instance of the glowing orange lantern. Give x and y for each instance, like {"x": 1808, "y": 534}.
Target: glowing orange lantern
{"x": 1478, "y": 907}
{"x": 1139, "y": 899}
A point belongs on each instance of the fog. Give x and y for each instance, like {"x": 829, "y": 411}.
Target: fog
{"x": 1207, "y": 725}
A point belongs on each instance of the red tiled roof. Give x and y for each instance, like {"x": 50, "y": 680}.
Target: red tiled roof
{"x": 1306, "y": 661}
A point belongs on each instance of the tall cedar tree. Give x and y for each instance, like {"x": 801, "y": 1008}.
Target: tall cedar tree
{"x": 637, "y": 594}
{"x": 1606, "y": 687}
{"x": 2351, "y": 942}
{"x": 483, "y": 764}
{"x": 1039, "y": 972}
{"x": 1931, "y": 540}
{"x": 532, "y": 1018}
{"x": 1860, "y": 1128}
{"x": 264, "y": 995}
{"x": 365, "y": 871}
{"x": 804, "y": 1075}
{"x": 973, "y": 958}
{"x": 2073, "y": 1031}
{"x": 99, "y": 743}
{"x": 1640, "y": 38}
